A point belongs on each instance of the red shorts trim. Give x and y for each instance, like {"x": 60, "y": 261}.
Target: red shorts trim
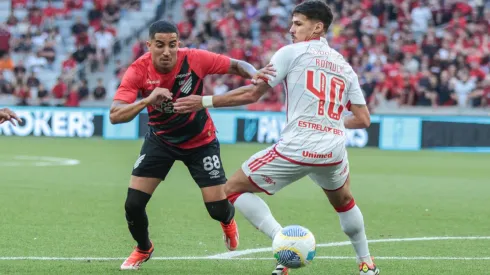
{"x": 256, "y": 185}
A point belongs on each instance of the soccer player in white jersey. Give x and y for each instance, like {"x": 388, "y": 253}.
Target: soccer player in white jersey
{"x": 319, "y": 86}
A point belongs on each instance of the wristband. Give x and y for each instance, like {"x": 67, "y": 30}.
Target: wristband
{"x": 207, "y": 101}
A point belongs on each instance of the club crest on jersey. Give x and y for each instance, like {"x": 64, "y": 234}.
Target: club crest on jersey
{"x": 186, "y": 85}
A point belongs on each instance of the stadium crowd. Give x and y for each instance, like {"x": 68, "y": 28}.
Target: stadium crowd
{"x": 35, "y": 42}
{"x": 406, "y": 52}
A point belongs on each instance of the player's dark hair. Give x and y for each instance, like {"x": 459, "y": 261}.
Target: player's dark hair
{"x": 316, "y": 10}
{"x": 162, "y": 26}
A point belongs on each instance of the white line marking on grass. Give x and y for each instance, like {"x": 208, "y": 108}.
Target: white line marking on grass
{"x": 233, "y": 254}
{"x": 38, "y": 161}
{"x": 240, "y": 259}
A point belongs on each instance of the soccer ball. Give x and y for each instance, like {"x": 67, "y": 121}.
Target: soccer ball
{"x": 294, "y": 246}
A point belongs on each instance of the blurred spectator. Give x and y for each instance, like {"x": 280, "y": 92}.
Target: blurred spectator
{"x": 6, "y": 62}
{"x": 32, "y": 81}
{"x": 59, "y": 91}
{"x": 73, "y": 98}
{"x": 220, "y": 87}
{"x": 83, "y": 91}
{"x": 43, "y": 95}
{"x": 4, "y": 40}
{"x": 104, "y": 42}
{"x": 23, "y": 93}
{"x": 100, "y": 91}
{"x": 463, "y": 85}
{"x": 79, "y": 27}
{"x": 111, "y": 13}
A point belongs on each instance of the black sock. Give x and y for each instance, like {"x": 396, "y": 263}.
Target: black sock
{"x": 136, "y": 216}
{"x": 222, "y": 211}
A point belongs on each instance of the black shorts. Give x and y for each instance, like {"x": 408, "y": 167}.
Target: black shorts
{"x": 156, "y": 158}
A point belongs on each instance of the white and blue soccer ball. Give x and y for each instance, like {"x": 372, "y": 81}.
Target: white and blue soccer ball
{"x": 294, "y": 246}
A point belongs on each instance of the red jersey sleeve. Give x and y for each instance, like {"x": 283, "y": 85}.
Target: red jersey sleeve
{"x": 209, "y": 63}
{"x": 130, "y": 86}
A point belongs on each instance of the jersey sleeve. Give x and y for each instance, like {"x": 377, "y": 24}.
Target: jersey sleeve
{"x": 206, "y": 63}
{"x": 130, "y": 85}
{"x": 354, "y": 93}
{"x": 281, "y": 61}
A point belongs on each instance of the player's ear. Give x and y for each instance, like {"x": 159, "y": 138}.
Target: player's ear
{"x": 148, "y": 44}
{"x": 318, "y": 29}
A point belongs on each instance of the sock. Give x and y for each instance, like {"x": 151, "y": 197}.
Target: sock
{"x": 257, "y": 213}
{"x": 352, "y": 223}
{"x": 222, "y": 211}
{"x": 136, "y": 217}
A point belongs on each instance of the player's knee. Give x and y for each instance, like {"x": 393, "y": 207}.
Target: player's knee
{"x": 233, "y": 187}
{"x": 346, "y": 199}
{"x": 229, "y": 188}
{"x": 222, "y": 211}
{"x": 136, "y": 201}
{"x": 340, "y": 198}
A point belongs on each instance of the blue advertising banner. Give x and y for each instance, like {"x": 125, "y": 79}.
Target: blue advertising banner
{"x": 387, "y": 132}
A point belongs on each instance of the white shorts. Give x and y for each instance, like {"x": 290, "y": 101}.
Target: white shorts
{"x": 271, "y": 172}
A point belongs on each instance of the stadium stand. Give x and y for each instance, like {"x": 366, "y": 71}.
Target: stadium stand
{"x": 428, "y": 53}
{"x": 57, "y": 53}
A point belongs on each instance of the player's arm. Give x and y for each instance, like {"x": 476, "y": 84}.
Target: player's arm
{"x": 241, "y": 68}
{"x": 243, "y": 95}
{"x": 240, "y": 96}
{"x": 122, "y": 112}
{"x": 124, "y": 107}
{"x": 268, "y": 77}
{"x": 212, "y": 63}
{"x": 360, "y": 117}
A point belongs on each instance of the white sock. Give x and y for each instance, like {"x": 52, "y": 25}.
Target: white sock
{"x": 257, "y": 213}
{"x": 352, "y": 224}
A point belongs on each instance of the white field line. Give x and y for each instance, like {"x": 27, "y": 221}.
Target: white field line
{"x": 337, "y": 244}
{"x": 232, "y": 255}
{"x": 240, "y": 259}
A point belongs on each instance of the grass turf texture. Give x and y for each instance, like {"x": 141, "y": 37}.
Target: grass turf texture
{"x": 78, "y": 211}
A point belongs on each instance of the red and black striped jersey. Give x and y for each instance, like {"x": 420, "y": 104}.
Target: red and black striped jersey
{"x": 182, "y": 130}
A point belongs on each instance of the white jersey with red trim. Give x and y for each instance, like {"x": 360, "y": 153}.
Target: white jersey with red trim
{"x": 319, "y": 86}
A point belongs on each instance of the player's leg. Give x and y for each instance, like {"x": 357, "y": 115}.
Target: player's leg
{"x": 149, "y": 170}
{"x": 240, "y": 190}
{"x": 335, "y": 182}
{"x": 204, "y": 164}
{"x": 264, "y": 172}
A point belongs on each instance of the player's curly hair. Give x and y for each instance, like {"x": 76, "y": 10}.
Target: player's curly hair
{"x": 162, "y": 26}
{"x": 316, "y": 10}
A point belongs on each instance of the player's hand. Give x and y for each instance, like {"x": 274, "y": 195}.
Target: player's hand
{"x": 158, "y": 96}
{"x": 8, "y": 115}
{"x": 188, "y": 104}
{"x": 264, "y": 74}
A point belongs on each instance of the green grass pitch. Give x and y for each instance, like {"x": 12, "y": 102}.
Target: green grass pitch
{"x": 77, "y": 211}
